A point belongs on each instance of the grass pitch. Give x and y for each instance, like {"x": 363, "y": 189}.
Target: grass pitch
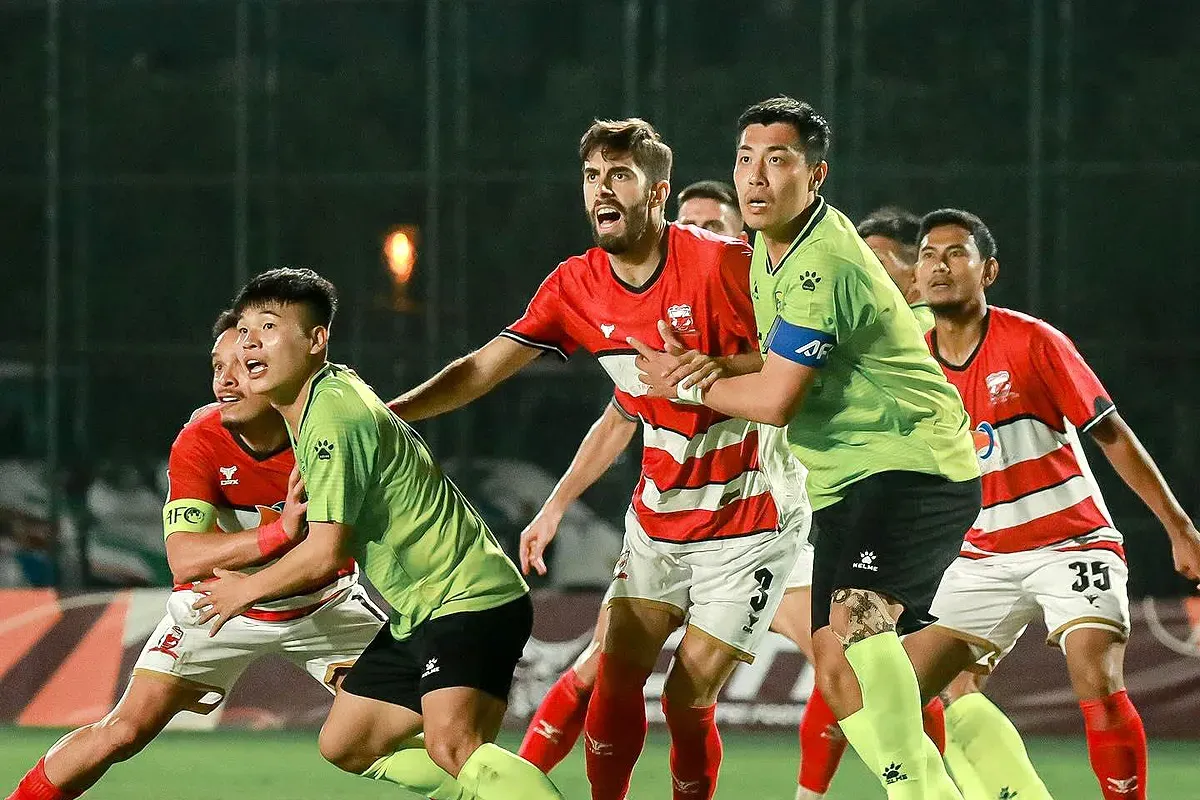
{"x": 275, "y": 765}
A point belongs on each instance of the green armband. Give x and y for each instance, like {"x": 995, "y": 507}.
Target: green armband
{"x": 195, "y": 516}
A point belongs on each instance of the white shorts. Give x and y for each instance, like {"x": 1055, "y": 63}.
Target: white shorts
{"x": 730, "y": 591}
{"x": 989, "y": 601}
{"x": 323, "y": 643}
{"x": 801, "y": 576}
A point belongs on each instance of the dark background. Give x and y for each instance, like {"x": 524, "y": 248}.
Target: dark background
{"x": 153, "y": 155}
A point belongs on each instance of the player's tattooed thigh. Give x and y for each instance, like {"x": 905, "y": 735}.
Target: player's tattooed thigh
{"x": 868, "y": 615}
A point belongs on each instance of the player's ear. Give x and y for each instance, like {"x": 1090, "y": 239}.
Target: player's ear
{"x": 660, "y": 193}
{"x": 991, "y": 270}
{"x": 819, "y": 173}
{"x": 318, "y": 340}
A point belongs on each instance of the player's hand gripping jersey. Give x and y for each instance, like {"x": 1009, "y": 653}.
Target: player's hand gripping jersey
{"x": 1027, "y": 390}
{"x": 216, "y": 484}
{"x": 701, "y": 479}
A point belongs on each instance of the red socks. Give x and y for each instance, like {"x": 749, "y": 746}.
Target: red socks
{"x": 615, "y": 726}
{"x": 822, "y": 743}
{"x": 1116, "y": 746}
{"x": 695, "y": 751}
{"x": 933, "y": 717}
{"x": 36, "y": 786}
{"x": 556, "y": 725}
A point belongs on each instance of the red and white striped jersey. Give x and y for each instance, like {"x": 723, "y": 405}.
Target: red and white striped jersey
{"x": 1028, "y": 391}
{"x": 701, "y": 478}
{"x": 212, "y": 474}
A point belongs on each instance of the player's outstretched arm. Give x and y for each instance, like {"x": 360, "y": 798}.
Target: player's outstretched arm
{"x": 322, "y": 552}
{"x": 605, "y": 440}
{"x": 193, "y": 555}
{"x": 1140, "y": 473}
{"x": 464, "y": 379}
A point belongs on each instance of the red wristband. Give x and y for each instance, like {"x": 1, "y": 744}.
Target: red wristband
{"x": 273, "y": 540}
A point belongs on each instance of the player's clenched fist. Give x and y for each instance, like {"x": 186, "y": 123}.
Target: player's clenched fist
{"x": 1185, "y": 550}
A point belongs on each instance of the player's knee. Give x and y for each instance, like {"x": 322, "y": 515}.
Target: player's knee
{"x": 451, "y": 750}
{"x": 123, "y": 738}
{"x": 343, "y": 752}
{"x": 1095, "y": 677}
{"x": 856, "y": 614}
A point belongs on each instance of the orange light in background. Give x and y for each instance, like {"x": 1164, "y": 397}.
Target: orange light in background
{"x": 400, "y": 252}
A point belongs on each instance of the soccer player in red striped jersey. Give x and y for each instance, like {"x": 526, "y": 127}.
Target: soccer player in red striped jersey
{"x": 558, "y": 721}
{"x": 234, "y": 503}
{"x": 704, "y": 539}
{"x": 1044, "y": 543}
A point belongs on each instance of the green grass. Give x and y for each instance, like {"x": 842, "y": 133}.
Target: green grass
{"x": 286, "y": 766}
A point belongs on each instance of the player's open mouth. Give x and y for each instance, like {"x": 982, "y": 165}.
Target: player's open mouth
{"x": 757, "y": 205}
{"x": 226, "y": 399}
{"x": 255, "y": 368}
{"x": 607, "y": 218}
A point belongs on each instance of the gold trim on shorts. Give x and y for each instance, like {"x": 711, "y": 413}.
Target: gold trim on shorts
{"x": 664, "y": 605}
{"x": 198, "y": 707}
{"x": 1054, "y": 637}
{"x": 993, "y": 656}
{"x": 335, "y": 671}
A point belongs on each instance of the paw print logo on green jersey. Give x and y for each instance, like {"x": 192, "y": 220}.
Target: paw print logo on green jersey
{"x": 809, "y": 281}
{"x": 324, "y": 450}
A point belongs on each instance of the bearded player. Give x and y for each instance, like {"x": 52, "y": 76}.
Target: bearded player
{"x": 704, "y": 538}
{"x": 231, "y": 505}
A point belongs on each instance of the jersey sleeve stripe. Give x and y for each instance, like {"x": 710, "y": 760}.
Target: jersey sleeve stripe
{"x": 1091, "y": 423}
{"x": 621, "y": 410}
{"x": 549, "y": 347}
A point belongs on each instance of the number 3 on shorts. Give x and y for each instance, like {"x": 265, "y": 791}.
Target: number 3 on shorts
{"x": 1098, "y": 576}
{"x": 764, "y": 576}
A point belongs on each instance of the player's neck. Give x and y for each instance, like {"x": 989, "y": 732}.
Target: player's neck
{"x": 263, "y": 436}
{"x": 779, "y": 238}
{"x": 639, "y": 263}
{"x": 959, "y": 331}
{"x": 289, "y": 400}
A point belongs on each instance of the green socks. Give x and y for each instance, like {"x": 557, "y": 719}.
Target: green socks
{"x": 492, "y": 773}
{"x": 412, "y": 768}
{"x": 968, "y": 780}
{"x": 887, "y": 731}
{"x": 993, "y": 748}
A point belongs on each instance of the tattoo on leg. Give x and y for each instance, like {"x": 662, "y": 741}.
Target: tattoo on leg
{"x": 868, "y": 614}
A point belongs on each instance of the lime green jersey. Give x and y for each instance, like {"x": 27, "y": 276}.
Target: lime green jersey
{"x": 416, "y": 537}
{"x": 924, "y": 315}
{"x": 879, "y": 402}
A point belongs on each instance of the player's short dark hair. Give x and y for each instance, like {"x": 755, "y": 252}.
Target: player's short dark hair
{"x": 225, "y": 320}
{"x": 893, "y": 222}
{"x": 633, "y": 136}
{"x": 815, "y": 135}
{"x": 719, "y": 191}
{"x": 963, "y": 219}
{"x": 288, "y": 285}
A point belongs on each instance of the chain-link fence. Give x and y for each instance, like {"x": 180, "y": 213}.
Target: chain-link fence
{"x": 155, "y": 153}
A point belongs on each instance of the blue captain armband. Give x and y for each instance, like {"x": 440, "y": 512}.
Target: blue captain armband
{"x": 799, "y": 344}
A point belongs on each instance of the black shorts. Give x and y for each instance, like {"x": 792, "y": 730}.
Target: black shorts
{"x": 894, "y": 533}
{"x": 476, "y": 649}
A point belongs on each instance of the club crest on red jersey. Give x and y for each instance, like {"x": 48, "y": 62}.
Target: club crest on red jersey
{"x": 999, "y": 386}
{"x": 680, "y": 317}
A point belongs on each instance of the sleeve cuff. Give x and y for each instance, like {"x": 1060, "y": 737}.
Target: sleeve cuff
{"x": 547, "y": 347}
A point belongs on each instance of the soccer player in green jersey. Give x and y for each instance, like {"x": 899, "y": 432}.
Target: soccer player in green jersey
{"x": 461, "y": 613}
{"x": 893, "y": 478}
